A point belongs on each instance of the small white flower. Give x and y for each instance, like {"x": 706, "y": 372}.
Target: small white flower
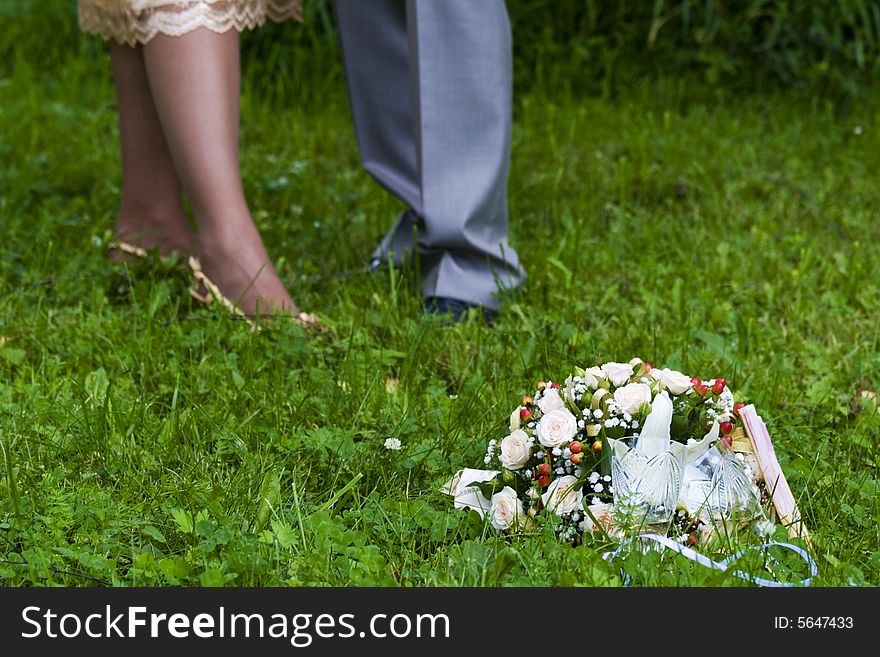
{"x": 594, "y": 477}
{"x": 598, "y": 488}
{"x": 395, "y": 444}
{"x": 765, "y": 528}
{"x": 540, "y": 455}
{"x": 606, "y": 478}
{"x": 560, "y": 471}
{"x": 595, "y": 500}
{"x": 566, "y": 453}
{"x": 597, "y": 414}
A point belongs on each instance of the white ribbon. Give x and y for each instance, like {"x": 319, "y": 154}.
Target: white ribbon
{"x": 696, "y": 557}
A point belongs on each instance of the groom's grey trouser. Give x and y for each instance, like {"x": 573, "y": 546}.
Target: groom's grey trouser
{"x": 429, "y": 84}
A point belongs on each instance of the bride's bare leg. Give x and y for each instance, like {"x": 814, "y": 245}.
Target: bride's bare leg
{"x": 195, "y": 82}
{"x": 151, "y": 212}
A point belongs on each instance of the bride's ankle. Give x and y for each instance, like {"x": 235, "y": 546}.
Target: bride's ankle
{"x": 168, "y": 234}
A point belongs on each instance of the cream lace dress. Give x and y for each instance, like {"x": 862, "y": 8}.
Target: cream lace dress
{"x": 132, "y": 22}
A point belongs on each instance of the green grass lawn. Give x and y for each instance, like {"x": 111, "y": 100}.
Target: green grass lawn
{"x": 149, "y": 441}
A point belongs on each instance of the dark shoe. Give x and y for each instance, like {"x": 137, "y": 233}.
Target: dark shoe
{"x": 458, "y": 311}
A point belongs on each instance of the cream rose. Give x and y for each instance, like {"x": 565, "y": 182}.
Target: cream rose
{"x": 515, "y": 450}
{"x": 557, "y": 427}
{"x": 618, "y": 373}
{"x": 675, "y": 382}
{"x": 550, "y": 401}
{"x": 602, "y": 514}
{"x": 632, "y": 396}
{"x": 561, "y": 498}
{"x": 507, "y": 510}
{"x": 592, "y": 377}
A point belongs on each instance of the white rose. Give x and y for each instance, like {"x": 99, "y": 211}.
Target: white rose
{"x": 556, "y": 427}
{"x": 515, "y": 451}
{"x": 550, "y": 401}
{"x": 618, "y": 373}
{"x": 592, "y": 376}
{"x": 514, "y": 419}
{"x": 632, "y": 396}
{"x": 675, "y": 382}
{"x": 506, "y": 511}
{"x": 602, "y": 514}
{"x": 561, "y": 498}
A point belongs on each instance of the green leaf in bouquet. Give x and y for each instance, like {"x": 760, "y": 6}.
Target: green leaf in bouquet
{"x": 617, "y": 432}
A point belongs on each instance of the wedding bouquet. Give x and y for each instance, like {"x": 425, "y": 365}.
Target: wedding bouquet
{"x": 622, "y": 448}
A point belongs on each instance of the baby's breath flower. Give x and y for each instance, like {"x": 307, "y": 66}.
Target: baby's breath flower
{"x": 395, "y": 444}
{"x": 765, "y": 528}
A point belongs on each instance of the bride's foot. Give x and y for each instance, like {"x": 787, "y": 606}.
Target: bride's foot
{"x": 242, "y": 272}
{"x": 137, "y": 234}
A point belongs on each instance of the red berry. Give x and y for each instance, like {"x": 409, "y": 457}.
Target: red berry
{"x": 726, "y": 427}
{"x": 728, "y": 440}
{"x": 526, "y": 400}
{"x": 524, "y": 414}
{"x": 575, "y": 447}
{"x": 576, "y": 458}
{"x": 703, "y": 389}
{"x": 597, "y": 446}
{"x": 544, "y": 469}
{"x": 541, "y": 385}
{"x": 718, "y": 386}
{"x": 544, "y": 481}
{"x": 696, "y": 382}
{"x": 556, "y": 385}
{"x": 737, "y": 407}
{"x": 692, "y": 540}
